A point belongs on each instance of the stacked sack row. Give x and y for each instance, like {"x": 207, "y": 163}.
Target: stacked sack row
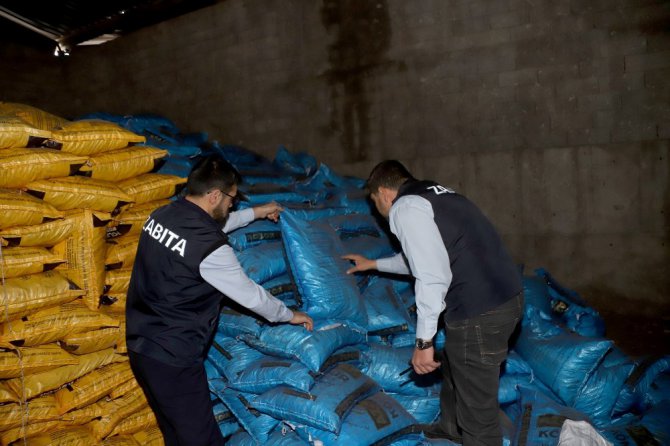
{"x": 73, "y": 198}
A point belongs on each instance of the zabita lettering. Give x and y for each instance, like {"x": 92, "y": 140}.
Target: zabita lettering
{"x": 164, "y": 236}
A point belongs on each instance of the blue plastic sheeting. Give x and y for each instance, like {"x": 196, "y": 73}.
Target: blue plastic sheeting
{"x": 283, "y": 288}
{"x": 378, "y": 419}
{"x": 211, "y": 371}
{"x": 659, "y": 389}
{"x": 541, "y": 419}
{"x": 299, "y": 163}
{"x": 314, "y": 253}
{"x": 317, "y": 211}
{"x": 324, "y": 179}
{"x": 634, "y": 395}
{"x": 282, "y": 197}
{"x": 385, "y": 365}
{"x": 350, "y": 354}
{"x": 233, "y": 323}
{"x": 177, "y": 165}
{"x": 515, "y": 364}
{"x": 536, "y": 293}
{"x": 600, "y": 393}
{"x": 230, "y": 356}
{"x": 652, "y": 428}
{"x": 243, "y": 159}
{"x": 276, "y": 438}
{"x": 257, "y": 424}
{"x": 259, "y": 179}
{"x": 263, "y": 262}
{"x": 369, "y": 246}
{"x": 563, "y": 361}
{"x": 268, "y": 372}
{"x": 386, "y": 311}
{"x": 257, "y": 232}
{"x": 354, "y": 224}
{"x": 508, "y": 391}
{"x": 331, "y": 399}
{"x": 310, "y": 348}
{"x": 425, "y": 409}
{"x": 225, "y": 419}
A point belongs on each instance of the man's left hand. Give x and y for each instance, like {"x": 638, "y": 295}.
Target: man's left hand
{"x": 269, "y": 210}
{"x": 423, "y": 361}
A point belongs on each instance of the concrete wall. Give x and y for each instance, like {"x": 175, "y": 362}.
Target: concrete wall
{"x": 552, "y": 115}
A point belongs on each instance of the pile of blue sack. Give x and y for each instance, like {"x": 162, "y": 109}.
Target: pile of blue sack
{"x": 347, "y": 381}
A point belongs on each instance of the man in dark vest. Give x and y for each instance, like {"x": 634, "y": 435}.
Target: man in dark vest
{"x": 461, "y": 268}
{"x": 183, "y": 270}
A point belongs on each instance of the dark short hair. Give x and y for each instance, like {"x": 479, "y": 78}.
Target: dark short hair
{"x": 390, "y": 173}
{"x": 212, "y": 172}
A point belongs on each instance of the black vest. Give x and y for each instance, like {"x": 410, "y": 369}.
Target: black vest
{"x": 171, "y": 312}
{"x": 484, "y": 275}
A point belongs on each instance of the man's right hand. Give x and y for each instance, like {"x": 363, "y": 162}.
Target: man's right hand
{"x": 300, "y": 318}
{"x": 360, "y": 263}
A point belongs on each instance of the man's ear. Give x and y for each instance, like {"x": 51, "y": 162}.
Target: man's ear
{"x": 388, "y": 195}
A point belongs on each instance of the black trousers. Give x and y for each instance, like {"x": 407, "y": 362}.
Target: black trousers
{"x": 179, "y": 397}
{"x": 474, "y": 350}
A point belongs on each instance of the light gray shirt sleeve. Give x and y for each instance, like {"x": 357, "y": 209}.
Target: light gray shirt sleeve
{"x": 238, "y": 219}
{"x": 223, "y": 271}
{"x": 395, "y": 265}
{"x": 412, "y": 221}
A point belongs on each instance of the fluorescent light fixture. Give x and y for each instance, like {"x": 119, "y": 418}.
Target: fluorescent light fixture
{"x": 103, "y": 38}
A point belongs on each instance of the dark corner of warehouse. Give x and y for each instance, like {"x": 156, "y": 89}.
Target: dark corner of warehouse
{"x": 539, "y": 133}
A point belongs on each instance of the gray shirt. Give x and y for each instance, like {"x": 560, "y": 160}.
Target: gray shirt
{"x": 412, "y": 220}
{"x": 223, "y": 271}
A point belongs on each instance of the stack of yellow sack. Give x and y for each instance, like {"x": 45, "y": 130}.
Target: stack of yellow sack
{"x": 73, "y": 198}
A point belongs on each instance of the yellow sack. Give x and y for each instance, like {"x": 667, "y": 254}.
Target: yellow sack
{"x": 113, "y": 303}
{"x": 94, "y": 340}
{"x": 19, "y": 167}
{"x": 91, "y": 136}
{"x": 15, "y": 132}
{"x": 121, "y": 252}
{"x": 51, "y": 324}
{"x": 18, "y": 208}
{"x": 85, "y": 252}
{"x": 33, "y": 360}
{"x": 129, "y": 386}
{"x": 92, "y": 386}
{"x": 23, "y": 261}
{"x": 31, "y": 430}
{"x": 34, "y": 116}
{"x": 120, "y": 440}
{"x": 152, "y": 186}
{"x": 117, "y": 410}
{"x": 150, "y": 437}
{"x": 70, "y": 436}
{"x": 130, "y": 221}
{"x": 140, "y": 420}
{"x": 27, "y": 294}
{"x": 44, "y": 234}
{"x": 39, "y": 383}
{"x": 117, "y": 280}
{"x": 37, "y": 410}
{"x": 80, "y": 193}
{"x": 125, "y": 163}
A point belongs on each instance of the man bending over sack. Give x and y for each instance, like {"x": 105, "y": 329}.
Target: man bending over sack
{"x": 183, "y": 270}
{"x": 459, "y": 263}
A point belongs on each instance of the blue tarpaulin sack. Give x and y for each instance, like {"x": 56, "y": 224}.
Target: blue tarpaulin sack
{"x": 177, "y": 165}
{"x": 659, "y": 389}
{"x": 225, "y": 419}
{"x": 311, "y": 348}
{"x": 257, "y": 424}
{"x": 299, "y": 163}
{"x": 536, "y": 293}
{"x": 243, "y": 159}
{"x": 211, "y": 371}
{"x": 283, "y": 288}
{"x": 268, "y": 372}
{"x": 319, "y": 211}
{"x": 515, "y": 364}
{"x": 563, "y": 361}
{"x": 352, "y": 225}
{"x": 508, "y": 387}
{"x": 279, "y": 437}
{"x": 652, "y": 428}
{"x": 385, "y": 365}
{"x": 372, "y": 247}
{"x": 378, "y": 420}
{"x": 541, "y": 419}
{"x": 284, "y": 197}
{"x": 598, "y": 396}
{"x": 425, "y": 409}
{"x": 231, "y": 356}
{"x": 350, "y": 354}
{"x": 255, "y": 233}
{"x": 328, "y": 403}
{"x": 315, "y": 256}
{"x": 634, "y": 395}
{"x": 386, "y": 311}
{"x": 233, "y": 323}
{"x": 324, "y": 178}
{"x": 263, "y": 262}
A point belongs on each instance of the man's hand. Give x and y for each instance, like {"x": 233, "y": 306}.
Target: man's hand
{"x": 360, "y": 263}
{"x": 300, "y": 318}
{"x": 269, "y": 210}
{"x": 423, "y": 361}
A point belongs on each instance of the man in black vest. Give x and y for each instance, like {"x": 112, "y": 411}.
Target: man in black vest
{"x": 461, "y": 268}
{"x": 183, "y": 270}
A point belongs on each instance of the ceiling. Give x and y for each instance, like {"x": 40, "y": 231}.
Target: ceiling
{"x": 64, "y": 25}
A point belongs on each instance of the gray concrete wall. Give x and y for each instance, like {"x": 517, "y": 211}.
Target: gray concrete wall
{"x": 552, "y": 115}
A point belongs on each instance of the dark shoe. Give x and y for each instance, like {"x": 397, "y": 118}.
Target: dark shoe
{"x": 434, "y": 431}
